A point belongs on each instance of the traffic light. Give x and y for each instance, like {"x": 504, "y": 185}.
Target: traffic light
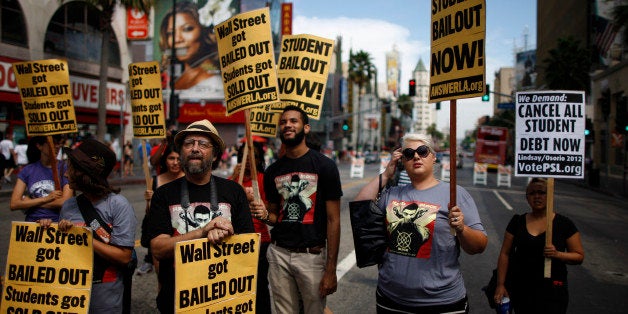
{"x": 487, "y": 93}
{"x": 412, "y": 88}
{"x": 345, "y": 126}
{"x": 588, "y": 127}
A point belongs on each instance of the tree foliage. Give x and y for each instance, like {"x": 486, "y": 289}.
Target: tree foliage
{"x": 361, "y": 69}
{"x": 107, "y": 8}
{"x": 568, "y": 66}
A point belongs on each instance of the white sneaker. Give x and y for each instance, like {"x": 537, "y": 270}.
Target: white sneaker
{"x": 145, "y": 269}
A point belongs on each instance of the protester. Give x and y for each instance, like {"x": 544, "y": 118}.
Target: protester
{"x": 303, "y": 191}
{"x": 89, "y": 166}
{"x": 523, "y": 254}
{"x": 168, "y": 221}
{"x": 170, "y": 162}
{"x": 35, "y": 190}
{"x": 420, "y": 272}
{"x": 263, "y": 294}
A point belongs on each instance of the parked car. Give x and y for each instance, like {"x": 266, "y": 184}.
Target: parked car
{"x": 371, "y": 157}
{"x": 444, "y": 156}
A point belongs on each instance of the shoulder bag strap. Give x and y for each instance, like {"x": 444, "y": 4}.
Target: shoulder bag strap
{"x": 213, "y": 194}
{"x": 93, "y": 219}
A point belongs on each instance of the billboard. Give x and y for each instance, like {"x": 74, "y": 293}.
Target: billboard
{"x": 392, "y": 72}
{"x": 195, "y": 47}
{"x": 525, "y": 70}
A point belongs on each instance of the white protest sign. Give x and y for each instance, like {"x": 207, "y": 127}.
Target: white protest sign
{"x": 550, "y": 134}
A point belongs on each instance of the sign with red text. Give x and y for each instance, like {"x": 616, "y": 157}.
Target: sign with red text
{"x": 46, "y": 97}
{"x": 247, "y": 60}
{"x": 458, "y": 57}
{"x": 550, "y": 134}
{"x": 48, "y": 271}
{"x": 217, "y": 278}
{"x": 149, "y": 118}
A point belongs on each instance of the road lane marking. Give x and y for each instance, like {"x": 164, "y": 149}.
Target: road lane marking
{"x": 345, "y": 265}
{"x": 501, "y": 199}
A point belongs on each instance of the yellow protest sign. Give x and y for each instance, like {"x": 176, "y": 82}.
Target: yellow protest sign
{"x": 48, "y": 271}
{"x": 149, "y": 118}
{"x": 217, "y": 277}
{"x": 264, "y": 122}
{"x": 46, "y": 96}
{"x": 247, "y": 60}
{"x": 458, "y": 58}
{"x": 302, "y": 72}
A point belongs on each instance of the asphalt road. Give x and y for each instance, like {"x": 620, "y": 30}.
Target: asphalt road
{"x": 599, "y": 285}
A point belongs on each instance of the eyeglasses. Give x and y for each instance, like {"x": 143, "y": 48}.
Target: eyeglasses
{"x": 204, "y": 144}
{"x": 422, "y": 150}
{"x": 537, "y": 192}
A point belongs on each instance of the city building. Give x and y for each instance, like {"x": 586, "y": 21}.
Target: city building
{"x": 423, "y": 113}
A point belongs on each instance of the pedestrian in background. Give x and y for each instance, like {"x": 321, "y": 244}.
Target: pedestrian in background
{"x": 303, "y": 191}
{"x": 420, "y": 272}
{"x": 8, "y": 153}
{"x": 20, "y": 152}
{"x": 170, "y": 163}
{"x": 128, "y": 159}
{"x": 34, "y": 190}
{"x": 523, "y": 254}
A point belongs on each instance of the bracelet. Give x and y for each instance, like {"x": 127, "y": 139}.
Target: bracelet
{"x": 265, "y": 219}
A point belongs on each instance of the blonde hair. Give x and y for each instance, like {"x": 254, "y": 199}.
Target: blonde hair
{"x": 414, "y": 137}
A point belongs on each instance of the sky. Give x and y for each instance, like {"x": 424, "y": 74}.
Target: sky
{"x": 377, "y": 26}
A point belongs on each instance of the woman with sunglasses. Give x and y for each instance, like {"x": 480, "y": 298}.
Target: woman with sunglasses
{"x": 523, "y": 255}
{"x": 420, "y": 272}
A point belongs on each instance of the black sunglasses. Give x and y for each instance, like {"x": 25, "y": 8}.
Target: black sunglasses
{"x": 422, "y": 150}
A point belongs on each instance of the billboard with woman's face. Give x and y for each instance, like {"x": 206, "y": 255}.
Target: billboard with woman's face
{"x": 191, "y": 28}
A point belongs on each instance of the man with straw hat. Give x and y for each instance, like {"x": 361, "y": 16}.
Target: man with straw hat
{"x": 172, "y": 218}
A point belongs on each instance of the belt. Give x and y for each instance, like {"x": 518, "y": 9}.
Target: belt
{"x": 312, "y": 250}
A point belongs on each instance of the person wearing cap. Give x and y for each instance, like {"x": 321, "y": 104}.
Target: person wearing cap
{"x": 88, "y": 168}
{"x": 172, "y": 218}
{"x": 420, "y": 272}
{"x": 303, "y": 191}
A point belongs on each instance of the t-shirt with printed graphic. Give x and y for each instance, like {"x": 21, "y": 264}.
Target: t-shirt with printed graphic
{"x": 167, "y": 216}
{"x": 39, "y": 183}
{"x": 301, "y": 187}
{"x": 118, "y": 213}
{"x": 421, "y": 265}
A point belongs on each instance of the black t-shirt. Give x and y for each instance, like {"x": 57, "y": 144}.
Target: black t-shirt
{"x": 527, "y": 257}
{"x": 166, "y": 216}
{"x": 300, "y": 187}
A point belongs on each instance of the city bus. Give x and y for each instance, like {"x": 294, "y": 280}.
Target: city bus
{"x": 491, "y": 146}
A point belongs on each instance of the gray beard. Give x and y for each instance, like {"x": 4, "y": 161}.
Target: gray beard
{"x": 193, "y": 169}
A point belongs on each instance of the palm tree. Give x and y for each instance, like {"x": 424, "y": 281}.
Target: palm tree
{"x": 107, "y": 8}
{"x": 361, "y": 71}
{"x": 568, "y": 66}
